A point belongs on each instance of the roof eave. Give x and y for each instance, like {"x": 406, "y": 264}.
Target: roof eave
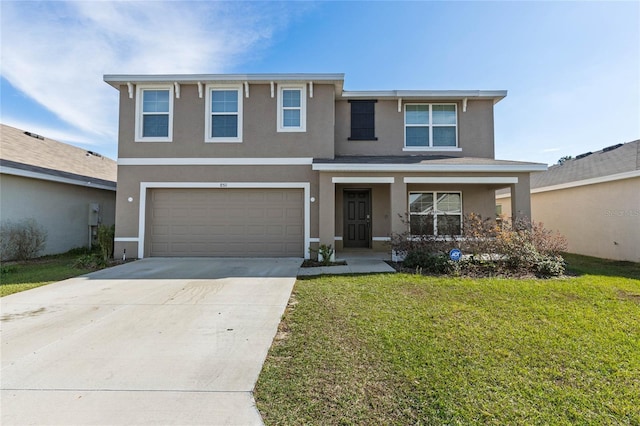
{"x": 459, "y": 168}
{"x": 496, "y": 95}
{"x": 116, "y": 80}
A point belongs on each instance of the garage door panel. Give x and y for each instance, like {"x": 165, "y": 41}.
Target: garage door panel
{"x": 226, "y": 222}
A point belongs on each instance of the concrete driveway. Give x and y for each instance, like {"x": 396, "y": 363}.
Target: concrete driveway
{"x": 156, "y": 341}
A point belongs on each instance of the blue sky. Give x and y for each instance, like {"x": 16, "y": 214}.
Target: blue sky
{"x": 572, "y": 69}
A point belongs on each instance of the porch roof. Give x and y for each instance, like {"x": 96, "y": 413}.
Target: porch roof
{"x": 423, "y": 163}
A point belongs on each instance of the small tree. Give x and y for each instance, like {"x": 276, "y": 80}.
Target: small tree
{"x": 22, "y": 240}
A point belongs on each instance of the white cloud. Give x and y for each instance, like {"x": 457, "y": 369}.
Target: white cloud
{"x": 57, "y": 52}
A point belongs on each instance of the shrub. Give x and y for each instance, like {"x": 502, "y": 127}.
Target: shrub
{"x": 324, "y": 254}
{"x": 105, "y": 241}
{"x": 21, "y": 240}
{"x": 520, "y": 247}
{"x": 90, "y": 261}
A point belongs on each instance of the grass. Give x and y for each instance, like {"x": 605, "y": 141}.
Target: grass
{"x": 21, "y": 276}
{"x": 407, "y": 349}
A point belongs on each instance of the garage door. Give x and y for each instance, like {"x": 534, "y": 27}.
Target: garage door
{"x": 226, "y": 222}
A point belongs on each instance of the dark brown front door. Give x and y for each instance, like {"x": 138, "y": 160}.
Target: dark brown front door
{"x": 357, "y": 218}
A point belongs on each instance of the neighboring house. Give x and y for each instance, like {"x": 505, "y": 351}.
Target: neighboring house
{"x": 273, "y": 164}
{"x": 593, "y": 200}
{"x": 66, "y": 189}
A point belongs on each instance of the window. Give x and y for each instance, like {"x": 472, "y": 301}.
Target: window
{"x": 430, "y": 126}
{"x": 363, "y": 121}
{"x": 292, "y": 108}
{"x": 435, "y": 213}
{"x": 223, "y": 114}
{"x": 154, "y": 114}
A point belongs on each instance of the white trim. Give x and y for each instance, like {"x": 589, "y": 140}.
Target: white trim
{"x": 311, "y": 89}
{"x": 246, "y": 89}
{"x": 126, "y": 239}
{"x": 381, "y": 239}
{"x": 496, "y": 95}
{"x": 464, "y": 104}
{"x": 207, "y": 113}
{"x": 591, "y": 181}
{"x": 51, "y": 178}
{"x": 306, "y": 186}
{"x": 337, "y": 238}
{"x": 314, "y": 240}
{"x": 139, "y": 113}
{"x": 200, "y": 89}
{"x": 130, "y": 89}
{"x": 430, "y": 125}
{"x": 230, "y": 161}
{"x": 461, "y": 179}
{"x": 431, "y": 148}
{"x": 399, "y": 104}
{"x": 369, "y": 167}
{"x": 361, "y": 179}
{"x": 303, "y": 108}
{"x": 177, "y": 86}
{"x": 272, "y": 84}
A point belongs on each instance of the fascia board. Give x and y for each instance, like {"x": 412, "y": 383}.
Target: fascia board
{"x": 500, "y": 168}
{"x": 117, "y": 79}
{"x": 51, "y": 178}
{"x": 426, "y": 94}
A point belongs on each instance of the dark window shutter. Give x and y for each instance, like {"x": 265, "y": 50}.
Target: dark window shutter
{"x": 363, "y": 120}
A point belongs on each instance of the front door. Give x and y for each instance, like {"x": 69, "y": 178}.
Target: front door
{"x": 357, "y": 218}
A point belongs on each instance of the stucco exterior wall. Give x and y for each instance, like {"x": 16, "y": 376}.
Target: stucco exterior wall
{"x": 600, "y": 220}
{"x": 260, "y": 138}
{"x": 62, "y": 209}
{"x": 475, "y": 130}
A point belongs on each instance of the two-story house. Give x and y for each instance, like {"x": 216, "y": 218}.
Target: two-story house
{"x": 273, "y": 164}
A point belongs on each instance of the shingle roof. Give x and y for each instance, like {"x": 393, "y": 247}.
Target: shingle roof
{"x": 20, "y": 150}
{"x": 608, "y": 161}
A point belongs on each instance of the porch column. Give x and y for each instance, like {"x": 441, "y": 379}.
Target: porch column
{"x": 399, "y": 206}
{"x": 326, "y": 209}
{"x": 521, "y": 198}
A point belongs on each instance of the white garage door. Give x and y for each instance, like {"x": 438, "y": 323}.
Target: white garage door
{"x": 226, "y": 222}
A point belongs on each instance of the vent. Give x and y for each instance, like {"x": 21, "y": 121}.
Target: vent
{"x": 94, "y": 154}
{"x": 586, "y": 154}
{"x": 611, "y": 148}
{"x": 34, "y": 135}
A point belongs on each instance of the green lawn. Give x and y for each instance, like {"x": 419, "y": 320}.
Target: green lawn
{"x": 15, "y": 277}
{"x": 406, "y": 349}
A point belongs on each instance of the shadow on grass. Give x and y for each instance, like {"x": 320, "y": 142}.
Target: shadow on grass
{"x": 586, "y": 265}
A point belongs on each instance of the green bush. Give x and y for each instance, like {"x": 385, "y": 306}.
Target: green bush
{"x": 105, "y": 241}
{"x": 90, "y": 261}
{"x": 21, "y": 240}
{"x": 427, "y": 262}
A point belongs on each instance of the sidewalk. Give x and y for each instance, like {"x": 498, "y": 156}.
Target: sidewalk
{"x": 358, "y": 262}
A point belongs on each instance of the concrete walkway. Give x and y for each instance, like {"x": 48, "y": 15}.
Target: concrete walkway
{"x": 358, "y": 262}
{"x": 157, "y": 341}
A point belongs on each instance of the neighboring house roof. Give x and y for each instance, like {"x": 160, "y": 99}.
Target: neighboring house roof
{"x": 613, "y": 160}
{"x": 30, "y": 155}
{"x": 621, "y": 161}
{"x": 425, "y": 163}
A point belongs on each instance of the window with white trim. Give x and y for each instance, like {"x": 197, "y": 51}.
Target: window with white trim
{"x": 223, "y": 121}
{"x": 435, "y": 213}
{"x": 154, "y": 114}
{"x": 292, "y": 108}
{"x": 430, "y": 126}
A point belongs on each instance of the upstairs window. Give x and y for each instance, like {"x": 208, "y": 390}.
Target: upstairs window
{"x": 430, "y": 126}
{"x": 154, "y": 114}
{"x": 435, "y": 213}
{"x": 363, "y": 120}
{"x": 223, "y": 114}
{"x": 292, "y": 108}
